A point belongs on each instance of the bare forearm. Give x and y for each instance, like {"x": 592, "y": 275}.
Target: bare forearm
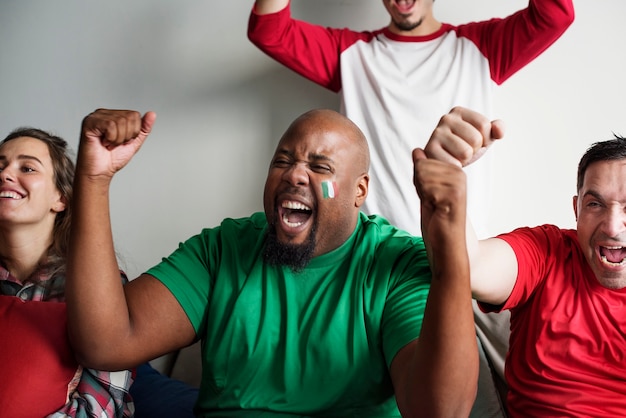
{"x": 97, "y": 312}
{"x": 442, "y": 375}
{"x": 446, "y": 361}
{"x": 437, "y": 374}
{"x": 110, "y": 326}
{"x": 263, "y": 7}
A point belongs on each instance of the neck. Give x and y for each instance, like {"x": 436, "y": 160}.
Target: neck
{"x": 23, "y": 251}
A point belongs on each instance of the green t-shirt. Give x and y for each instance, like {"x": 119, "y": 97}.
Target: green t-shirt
{"x": 314, "y": 343}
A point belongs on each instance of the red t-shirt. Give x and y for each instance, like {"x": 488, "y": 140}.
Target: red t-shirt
{"x": 568, "y": 344}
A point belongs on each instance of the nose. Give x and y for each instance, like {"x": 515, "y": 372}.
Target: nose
{"x": 296, "y": 174}
{"x": 5, "y": 175}
{"x": 614, "y": 224}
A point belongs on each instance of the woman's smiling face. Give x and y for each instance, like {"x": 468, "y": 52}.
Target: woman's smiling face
{"x": 28, "y": 193}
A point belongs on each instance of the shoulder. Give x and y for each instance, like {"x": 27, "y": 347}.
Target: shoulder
{"x": 229, "y": 226}
{"x": 255, "y": 221}
{"x": 389, "y": 239}
{"x": 377, "y": 224}
{"x": 545, "y": 239}
{"x": 230, "y": 233}
{"x": 541, "y": 232}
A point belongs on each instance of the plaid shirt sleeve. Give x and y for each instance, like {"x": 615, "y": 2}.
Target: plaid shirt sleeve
{"x": 99, "y": 394}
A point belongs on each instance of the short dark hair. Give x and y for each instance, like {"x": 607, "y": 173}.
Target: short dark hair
{"x": 612, "y": 149}
{"x": 64, "y": 168}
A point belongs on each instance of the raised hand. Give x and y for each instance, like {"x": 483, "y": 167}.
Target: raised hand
{"x": 462, "y": 136}
{"x": 459, "y": 139}
{"x": 441, "y": 187}
{"x": 109, "y": 139}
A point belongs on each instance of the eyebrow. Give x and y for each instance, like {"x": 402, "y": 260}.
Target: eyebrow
{"x": 23, "y": 157}
{"x": 594, "y": 194}
{"x": 312, "y": 156}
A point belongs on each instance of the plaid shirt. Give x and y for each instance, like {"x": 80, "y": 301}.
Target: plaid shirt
{"x": 96, "y": 394}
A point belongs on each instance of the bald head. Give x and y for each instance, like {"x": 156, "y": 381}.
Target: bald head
{"x": 330, "y": 121}
{"x": 316, "y": 183}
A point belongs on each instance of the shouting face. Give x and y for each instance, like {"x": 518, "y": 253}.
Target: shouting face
{"x": 600, "y": 209}
{"x": 316, "y": 183}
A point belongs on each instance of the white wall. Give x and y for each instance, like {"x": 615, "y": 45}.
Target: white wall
{"x": 222, "y": 104}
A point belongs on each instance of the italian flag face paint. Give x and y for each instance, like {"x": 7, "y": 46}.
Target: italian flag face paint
{"x": 328, "y": 189}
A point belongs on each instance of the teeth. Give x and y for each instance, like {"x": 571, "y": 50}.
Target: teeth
{"x": 291, "y": 224}
{"x": 10, "y": 195}
{"x": 405, "y": 3}
{"x": 610, "y": 263}
{"x": 295, "y": 205}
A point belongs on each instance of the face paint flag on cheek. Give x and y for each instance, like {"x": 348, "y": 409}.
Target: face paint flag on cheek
{"x": 329, "y": 189}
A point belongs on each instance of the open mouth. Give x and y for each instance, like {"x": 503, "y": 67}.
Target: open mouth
{"x": 404, "y": 6}
{"x": 613, "y": 256}
{"x": 10, "y": 195}
{"x": 294, "y": 214}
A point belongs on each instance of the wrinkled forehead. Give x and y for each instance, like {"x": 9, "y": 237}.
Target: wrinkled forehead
{"x": 315, "y": 143}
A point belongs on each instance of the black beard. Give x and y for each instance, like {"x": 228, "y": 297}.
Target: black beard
{"x": 294, "y": 256}
{"x": 407, "y": 26}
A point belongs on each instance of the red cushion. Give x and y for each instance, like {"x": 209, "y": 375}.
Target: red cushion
{"x": 36, "y": 361}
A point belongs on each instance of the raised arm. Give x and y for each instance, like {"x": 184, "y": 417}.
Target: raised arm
{"x": 513, "y": 42}
{"x": 113, "y": 326}
{"x": 460, "y": 138}
{"x": 438, "y": 376}
{"x": 313, "y": 51}
{"x": 264, "y": 7}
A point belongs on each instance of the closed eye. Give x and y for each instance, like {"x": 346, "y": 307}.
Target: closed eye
{"x": 280, "y": 163}
{"x": 320, "y": 168}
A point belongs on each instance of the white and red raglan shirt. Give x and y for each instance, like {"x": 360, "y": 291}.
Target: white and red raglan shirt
{"x": 396, "y": 88}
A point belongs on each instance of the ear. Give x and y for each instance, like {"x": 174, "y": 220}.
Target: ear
{"x": 361, "y": 190}
{"x": 575, "y": 204}
{"x": 60, "y": 204}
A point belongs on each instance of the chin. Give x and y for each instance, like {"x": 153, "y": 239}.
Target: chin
{"x": 613, "y": 282}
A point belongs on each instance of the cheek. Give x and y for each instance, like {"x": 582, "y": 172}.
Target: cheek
{"x": 268, "y": 196}
{"x": 329, "y": 189}
{"x": 584, "y": 232}
{"x": 41, "y": 191}
{"x": 271, "y": 183}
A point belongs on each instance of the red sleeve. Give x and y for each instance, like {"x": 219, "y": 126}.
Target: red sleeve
{"x": 310, "y": 50}
{"x": 511, "y": 43}
{"x": 537, "y": 250}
